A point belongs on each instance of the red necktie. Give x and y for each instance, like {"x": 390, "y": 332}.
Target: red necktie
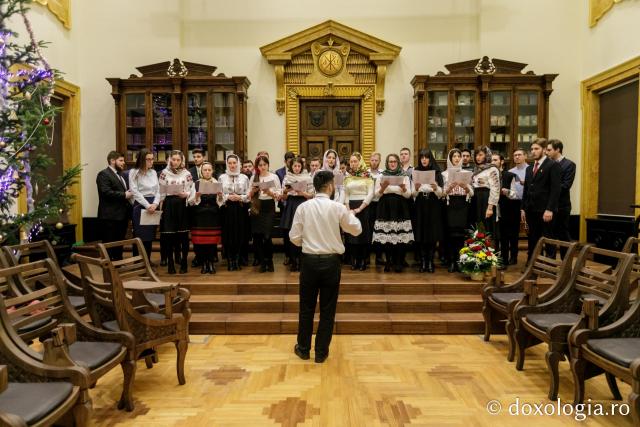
{"x": 535, "y": 169}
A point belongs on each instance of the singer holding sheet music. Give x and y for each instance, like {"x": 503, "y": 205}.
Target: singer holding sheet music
{"x": 427, "y": 225}
{"x": 175, "y": 186}
{"x": 458, "y": 192}
{"x": 265, "y": 190}
{"x": 298, "y": 188}
{"x": 143, "y": 183}
{"x": 206, "y": 199}
{"x": 486, "y": 186}
{"x": 392, "y": 228}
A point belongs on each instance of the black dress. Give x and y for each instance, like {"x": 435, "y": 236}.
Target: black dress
{"x": 428, "y": 225}
{"x": 290, "y": 207}
{"x": 364, "y": 216}
{"x": 262, "y": 223}
{"x": 393, "y": 221}
{"x": 175, "y": 218}
{"x": 206, "y": 223}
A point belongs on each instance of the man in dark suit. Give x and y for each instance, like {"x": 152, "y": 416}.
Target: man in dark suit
{"x": 114, "y": 207}
{"x": 567, "y": 174}
{"x": 288, "y": 157}
{"x": 509, "y": 224}
{"x": 198, "y": 159}
{"x": 541, "y": 194}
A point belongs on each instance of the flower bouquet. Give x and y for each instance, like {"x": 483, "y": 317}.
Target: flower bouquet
{"x": 478, "y": 256}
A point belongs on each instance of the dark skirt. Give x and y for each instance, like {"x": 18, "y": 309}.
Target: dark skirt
{"x": 146, "y": 233}
{"x": 262, "y": 223}
{"x": 363, "y": 238}
{"x": 428, "y": 225}
{"x": 235, "y": 231}
{"x": 206, "y": 221}
{"x": 509, "y": 218}
{"x": 458, "y": 215}
{"x": 480, "y": 204}
{"x": 393, "y": 221}
{"x": 175, "y": 218}
{"x": 290, "y": 207}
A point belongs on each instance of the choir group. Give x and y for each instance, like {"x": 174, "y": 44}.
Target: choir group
{"x": 403, "y": 209}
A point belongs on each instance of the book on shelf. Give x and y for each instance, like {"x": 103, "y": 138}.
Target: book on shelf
{"x": 523, "y": 99}
{"x": 499, "y": 137}
{"x": 443, "y": 99}
{"x": 507, "y": 138}
{"x": 437, "y": 121}
{"x": 533, "y": 99}
{"x": 533, "y": 120}
{"x": 502, "y": 120}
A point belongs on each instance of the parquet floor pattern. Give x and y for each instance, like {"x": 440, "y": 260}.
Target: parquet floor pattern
{"x": 368, "y": 380}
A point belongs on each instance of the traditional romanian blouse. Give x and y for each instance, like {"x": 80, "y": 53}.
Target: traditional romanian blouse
{"x": 455, "y": 190}
{"x": 270, "y": 177}
{"x": 234, "y": 184}
{"x": 180, "y": 177}
{"x": 488, "y": 178}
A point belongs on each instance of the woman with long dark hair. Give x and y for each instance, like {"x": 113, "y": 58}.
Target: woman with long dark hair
{"x": 427, "y": 225}
{"x": 296, "y": 176}
{"x": 263, "y": 209}
{"x": 206, "y": 230}
{"x": 175, "y": 224}
{"x": 457, "y": 197}
{"x": 143, "y": 183}
{"x": 486, "y": 187}
{"x": 235, "y": 189}
{"x": 392, "y": 227}
{"x": 358, "y": 193}
{"x": 331, "y": 162}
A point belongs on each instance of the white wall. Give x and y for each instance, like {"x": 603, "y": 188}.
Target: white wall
{"x": 551, "y": 36}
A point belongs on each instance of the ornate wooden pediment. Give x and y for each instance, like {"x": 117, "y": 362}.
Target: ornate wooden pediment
{"x": 332, "y": 55}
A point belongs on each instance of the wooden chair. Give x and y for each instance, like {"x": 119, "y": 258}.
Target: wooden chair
{"x": 83, "y": 344}
{"x": 16, "y": 254}
{"x": 139, "y": 268}
{"x": 499, "y": 300}
{"x": 631, "y": 247}
{"x": 551, "y": 321}
{"x": 110, "y": 308}
{"x": 613, "y": 349}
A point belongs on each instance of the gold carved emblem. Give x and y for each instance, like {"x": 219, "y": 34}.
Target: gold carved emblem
{"x": 331, "y": 58}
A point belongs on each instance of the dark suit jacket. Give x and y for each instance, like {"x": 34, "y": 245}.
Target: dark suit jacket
{"x": 567, "y": 174}
{"x": 506, "y": 178}
{"x": 112, "y": 201}
{"x": 281, "y": 173}
{"x": 194, "y": 173}
{"x": 542, "y": 191}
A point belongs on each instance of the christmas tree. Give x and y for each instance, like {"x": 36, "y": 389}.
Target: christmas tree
{"x": 26, "y": 133}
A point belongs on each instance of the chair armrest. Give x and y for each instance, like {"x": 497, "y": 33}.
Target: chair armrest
{"x": 590, "y": 313}
{"x": 56, "y": 348}
{"x": 4, "y": 378}
{"x": 531, "y": 292}
{"x": 11, "y": 420}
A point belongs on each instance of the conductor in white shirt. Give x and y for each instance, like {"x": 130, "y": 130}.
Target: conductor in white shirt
{"x": 316, "y": 227}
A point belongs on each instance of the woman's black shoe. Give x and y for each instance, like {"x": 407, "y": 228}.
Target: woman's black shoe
{"x": 204, "y": 269}
{"x": 423, "y": 265}
{"x": 256, "y": 262}
{"x": 183, "y": 267}
{"x": 430, "y": 267}
{"x": 172, "y": 268}
{"x": 398, "y": 268}
{"x": 363, "y": 266}
{"x": 263, "y": 267}
{"x": 355, "y": 265}
{"x": 286, "y": 261}
{"x": 212, "y": 268}
{"x": 163, "y": 263}
{"x": 379, "y": 261}
{"x": 452, "y": 267}
{"x": 270, "y": 265}
{"x": 387, "y": 267}
{"x": 229, "y": 265}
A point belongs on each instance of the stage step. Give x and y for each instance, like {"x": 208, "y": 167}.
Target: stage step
{"x": 346, "y": 323}
{"x": 346, "y": 303}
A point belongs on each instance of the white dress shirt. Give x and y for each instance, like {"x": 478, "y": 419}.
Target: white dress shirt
{"x": 144, "y": 185}
{"x": 316, "y": 226}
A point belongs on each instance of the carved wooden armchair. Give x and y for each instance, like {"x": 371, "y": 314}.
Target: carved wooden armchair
{"x": 110, "y": 308}
{"x": 67, "y": 340}
{"x": 499, "y": 299}
{"x": 139, "y": 268}
{"x": 16, "y": 254}
{"x": 551, "y": 320}
{"x": 613, "y": 349}
{"x": 631, "y": 247}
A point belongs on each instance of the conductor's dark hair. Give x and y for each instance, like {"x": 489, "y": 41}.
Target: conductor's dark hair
{"x": 113, "y": 155}
{"x": 542, "y": 142}
{"x": 321, "y": 179}
{"x": 556, "y": 144}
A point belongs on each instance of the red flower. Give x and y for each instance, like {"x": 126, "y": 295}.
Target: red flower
{"x": 469, "y": 241}
{"x": 476, "y": 248}
{"x": 480, "y": 235}
{"x": 487, "y": 242}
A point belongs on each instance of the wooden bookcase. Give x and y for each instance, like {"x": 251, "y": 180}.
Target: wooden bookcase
{"x": 180, "y": 106}
{"x": 480, "y": 102}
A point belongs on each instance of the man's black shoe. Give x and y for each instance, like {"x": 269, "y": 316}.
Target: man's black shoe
{"x": 304, "y": 355}
{"x": 320, "y": 358}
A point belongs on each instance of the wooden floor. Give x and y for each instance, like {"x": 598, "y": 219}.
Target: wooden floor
{"x": 368, "y": 380}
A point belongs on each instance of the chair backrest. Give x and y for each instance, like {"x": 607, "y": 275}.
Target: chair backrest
{"x": 134, "y": 267}
{"x": 103, "y": 297}
{"x": 611, "y": 289}
{"x": 554, "y": 268}
{"x": 36, "y": 313}
{"x": 631, "y": 247}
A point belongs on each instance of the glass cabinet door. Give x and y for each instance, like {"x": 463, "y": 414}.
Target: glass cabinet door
{"x": 135, "y": 124}
{"x": 162, "y": 126}
{"x": 464, "y": 124}
{"x": 224, "y": 121}
{"x": 500, "y": 122}
{"x": 437, "y": 123}
{"x": 197, "y": 124}
{"x": 527, "y": 118}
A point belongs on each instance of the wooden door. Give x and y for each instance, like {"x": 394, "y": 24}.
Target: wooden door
{"x": 329, "y": 124}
